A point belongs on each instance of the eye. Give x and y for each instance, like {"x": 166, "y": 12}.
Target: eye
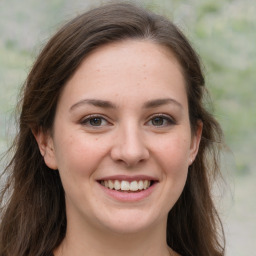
{"x": 94, "y": 121}
{"x": 161, "y": 121}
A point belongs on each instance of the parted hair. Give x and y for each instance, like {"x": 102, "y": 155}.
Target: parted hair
{"x": 33, "y": 217}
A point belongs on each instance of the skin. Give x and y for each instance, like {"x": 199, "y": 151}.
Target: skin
{"x": 136, "y": 91}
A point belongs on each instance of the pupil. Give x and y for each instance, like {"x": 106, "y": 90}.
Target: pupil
{"x": 157, "y": 121}
{"x": 95, "y": 121}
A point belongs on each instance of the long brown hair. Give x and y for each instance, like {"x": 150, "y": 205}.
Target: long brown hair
{"x": 33, "y": 219}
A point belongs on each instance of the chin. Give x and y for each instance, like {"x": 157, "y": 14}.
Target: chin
{"x": 130, "y": 221}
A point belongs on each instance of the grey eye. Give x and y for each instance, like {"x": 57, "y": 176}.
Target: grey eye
{"x": 161, "y": 121}
{"x": 95, "y": 121}
{"x": 158, "y": 121}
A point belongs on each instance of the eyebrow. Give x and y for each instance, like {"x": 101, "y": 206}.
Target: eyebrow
{"x": 160, "y": 102}
{"x": 94, "y": 102}
{"x": 107, "y": 104}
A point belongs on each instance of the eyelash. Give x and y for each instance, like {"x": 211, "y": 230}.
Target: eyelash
{"x": 166, "y": 120}
{"x": 90, "y": 118}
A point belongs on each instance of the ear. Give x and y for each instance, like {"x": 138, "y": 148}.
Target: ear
{"x": 195, "y": 141}
{"x": 46, "y": 147}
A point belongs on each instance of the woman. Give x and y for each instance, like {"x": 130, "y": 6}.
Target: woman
{"x": 115, "y": 151}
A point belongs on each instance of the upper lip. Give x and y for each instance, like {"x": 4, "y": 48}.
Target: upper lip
{"x": 129, "y": 178}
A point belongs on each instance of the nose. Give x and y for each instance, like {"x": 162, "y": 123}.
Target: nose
{"x": 129, "y": 146}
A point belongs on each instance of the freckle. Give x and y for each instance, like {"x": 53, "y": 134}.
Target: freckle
{"x": 145, "y": 78}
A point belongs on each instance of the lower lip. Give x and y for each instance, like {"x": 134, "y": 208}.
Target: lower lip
{"x": 128, "y": 196}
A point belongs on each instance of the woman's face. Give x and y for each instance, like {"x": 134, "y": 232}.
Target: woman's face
{"x": 122, "y": 139}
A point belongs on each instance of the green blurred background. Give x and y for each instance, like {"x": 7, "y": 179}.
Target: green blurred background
{"x": 224, "y": 34}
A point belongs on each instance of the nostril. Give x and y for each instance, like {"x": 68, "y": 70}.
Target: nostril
{"x": 130, "y": 150}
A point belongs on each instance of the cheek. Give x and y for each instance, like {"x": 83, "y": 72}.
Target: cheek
{"x": 77, "y": 155}
{"x": 172, "y": 154}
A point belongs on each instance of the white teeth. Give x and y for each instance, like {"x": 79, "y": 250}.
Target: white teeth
{"x": 117, "y": 185}
{"x": 140, "y": 185}
{"x": 146, "y": 184}
{"x": 126, "y": 185}
{"x": 134, "y": 186}
{"x": 110, "y": 184}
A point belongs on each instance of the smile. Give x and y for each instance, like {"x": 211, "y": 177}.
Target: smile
{"x": 125, "y": 185}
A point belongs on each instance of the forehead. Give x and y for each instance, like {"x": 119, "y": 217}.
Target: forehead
{"x": 128, "y": 67}
{"x": 147, "y": 52}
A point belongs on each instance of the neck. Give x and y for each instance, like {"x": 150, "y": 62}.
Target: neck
{"x": 94, "y": 242}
